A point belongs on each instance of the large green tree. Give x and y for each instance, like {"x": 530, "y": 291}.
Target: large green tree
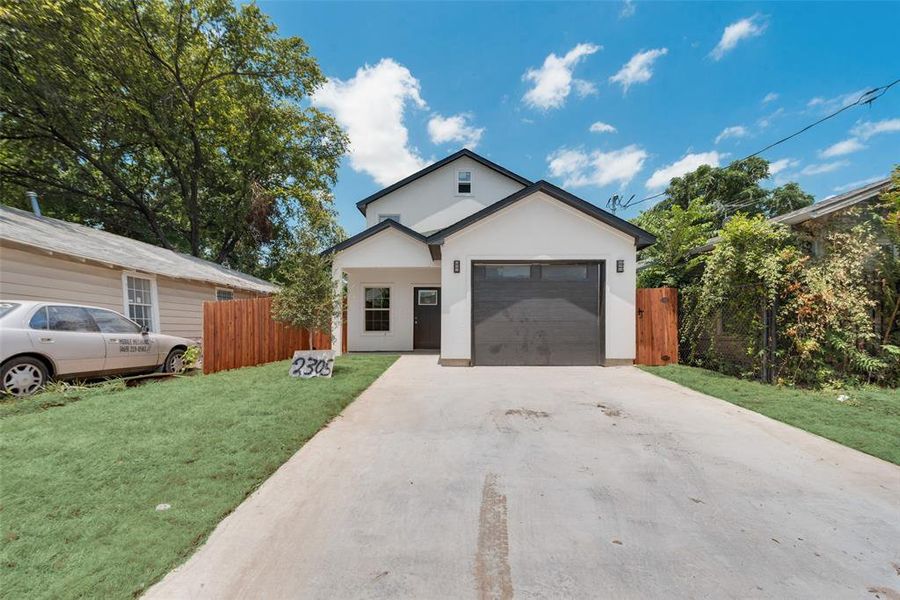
{"x": 734, "y": 188}
{"x": 181, "y": 123}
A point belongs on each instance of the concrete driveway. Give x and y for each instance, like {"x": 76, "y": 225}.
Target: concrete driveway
{"x": 569, "y": 482}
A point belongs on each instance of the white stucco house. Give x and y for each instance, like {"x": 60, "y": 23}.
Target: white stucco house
{"x": 489, "y": 268}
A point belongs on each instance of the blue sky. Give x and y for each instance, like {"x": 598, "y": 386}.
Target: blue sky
{"x": 666, "y": 86}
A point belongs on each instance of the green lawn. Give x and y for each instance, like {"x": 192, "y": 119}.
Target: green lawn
{"x": 81, "y": 480}
{"x": 868, "y": 421}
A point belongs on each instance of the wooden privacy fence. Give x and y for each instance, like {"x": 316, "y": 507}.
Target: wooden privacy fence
{"x": 242, "y": 333}
{"x": 657, "y": 326}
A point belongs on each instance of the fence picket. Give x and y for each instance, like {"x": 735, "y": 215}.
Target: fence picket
{"x": 241, "y": 333}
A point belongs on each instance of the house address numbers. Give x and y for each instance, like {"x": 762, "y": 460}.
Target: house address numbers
{"x": 312, "y": 363}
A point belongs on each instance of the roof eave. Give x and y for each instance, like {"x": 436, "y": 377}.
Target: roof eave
{"x": 371, "y": 231}
{"x": 642, "y": 238}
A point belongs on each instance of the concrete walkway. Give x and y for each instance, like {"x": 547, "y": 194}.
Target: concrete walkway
{"x": 570, "y": 482}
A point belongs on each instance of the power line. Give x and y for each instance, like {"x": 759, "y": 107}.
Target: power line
{"x": 867, "y": 98}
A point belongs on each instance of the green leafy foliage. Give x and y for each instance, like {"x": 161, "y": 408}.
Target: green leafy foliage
{"x": 678, "y": 231}
{"x": 889, "y": 263}
{"x": 732, "y": 189}
{"x": 183, "y": 123}
{"x": 309, "y": 297}
{"x": 826, "y": 314}
{"x": 744, "y": 275}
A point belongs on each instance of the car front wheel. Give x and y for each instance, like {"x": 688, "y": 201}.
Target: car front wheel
{"x": 23, "y": 376}
{"x": 174, "y": 361}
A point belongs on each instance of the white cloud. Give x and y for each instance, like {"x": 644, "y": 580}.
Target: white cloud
{"x": 737, "y": 31}
{"x": 685, "y": 164}
{"x": 770, "y": 97}
{"x": 455, "y": 128}
{"x": 767, "y": 120}
{"x": 831, "y": 104}
{"x": 639, "y": 69}
{"x": 583, "y": 87}
{"x": 778, "y": 166}
{"x": 857, "y": 184}
{"x": 553, "y": 80}
{"x": 579, "y": 169}
{"x": 370, "y": 107}
{"x": 848, "y": 146}
{"x": 867, "y": 129}
{"x": 818, "y": 169}
{"x": 601, "y": 127}
{"x": 737, "y": 131}
{"x": 627, "y": 10}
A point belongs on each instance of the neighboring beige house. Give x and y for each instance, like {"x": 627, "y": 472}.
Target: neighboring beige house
{"x": 52, "y": 260}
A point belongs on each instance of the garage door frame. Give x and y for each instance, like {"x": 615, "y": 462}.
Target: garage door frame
{"x": 601, "y": 291}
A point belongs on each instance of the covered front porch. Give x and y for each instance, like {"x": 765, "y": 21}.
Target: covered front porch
{"x": 393, "y": 287}
{"x": 391, "y": 309}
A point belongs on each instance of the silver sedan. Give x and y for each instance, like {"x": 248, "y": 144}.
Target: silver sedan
{"x": 44, "y": 340}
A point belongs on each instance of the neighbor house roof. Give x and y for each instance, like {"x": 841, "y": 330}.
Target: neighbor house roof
{"x": 819, "y": 209}
{"x": 834, "y": 204}
{"x": 95, "y": 245}
{"x": 465, "y": 152}
{"x": 642, "y": 238}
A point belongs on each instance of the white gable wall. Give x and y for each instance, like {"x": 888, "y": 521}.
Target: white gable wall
{"x": 385, "y": 249}
{"x": 538, "y": 228}
{"x": 431, "y": 203}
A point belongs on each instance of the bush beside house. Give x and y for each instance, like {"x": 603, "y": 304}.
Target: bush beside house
{"x": 810, "y": 302}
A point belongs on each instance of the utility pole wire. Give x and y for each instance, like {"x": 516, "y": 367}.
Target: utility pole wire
{"x": 867, "y": 98}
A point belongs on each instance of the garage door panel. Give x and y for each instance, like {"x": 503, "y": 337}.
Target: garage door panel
{"x": 532, "y": 311}
{"x": 537, "y": 321}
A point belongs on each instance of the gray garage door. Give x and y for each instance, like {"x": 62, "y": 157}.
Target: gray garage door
{"x": 537, "y": 313}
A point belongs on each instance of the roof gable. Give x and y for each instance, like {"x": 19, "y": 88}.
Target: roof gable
{"x": 642, "y": 238}
{"x": 367, "y": 233}
{"x": 465, "y": 152}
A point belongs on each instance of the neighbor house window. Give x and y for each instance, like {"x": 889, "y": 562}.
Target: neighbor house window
{"x": 139, "y": 300}
{"x": 386, "y": 217}
{"x": 378, "y": 309}
{"x": 223, "y": 294}
{"x": 464, "y": 182}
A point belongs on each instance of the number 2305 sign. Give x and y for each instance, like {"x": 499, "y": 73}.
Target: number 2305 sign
{"x": 312, "y": 363}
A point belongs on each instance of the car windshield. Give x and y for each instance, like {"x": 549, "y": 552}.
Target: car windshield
{"x": 6, "y": 308}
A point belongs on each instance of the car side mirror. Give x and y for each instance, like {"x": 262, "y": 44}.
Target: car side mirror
{"x": 145, "y": 330}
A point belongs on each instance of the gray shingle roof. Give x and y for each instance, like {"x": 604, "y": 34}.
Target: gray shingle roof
{"x": 87, "y": 243}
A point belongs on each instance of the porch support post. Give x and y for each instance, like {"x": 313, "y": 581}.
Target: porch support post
{"x": 337, "y": 322}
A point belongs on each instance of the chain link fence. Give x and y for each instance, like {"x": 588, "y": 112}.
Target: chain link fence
{"x": 740, "y": 339}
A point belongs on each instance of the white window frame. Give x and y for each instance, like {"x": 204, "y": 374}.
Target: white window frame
{"x": 386, "y": 216}
{"x": 456, "y": 183}
{"x": 154, "y": 297}
{"x": 391, "y": 299}
{"x": 222, "y": 289}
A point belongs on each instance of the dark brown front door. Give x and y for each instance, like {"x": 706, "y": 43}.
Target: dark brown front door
{"x": 426, "y": 318}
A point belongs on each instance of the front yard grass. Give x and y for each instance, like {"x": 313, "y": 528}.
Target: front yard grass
{"x": 868, "y": 420}
{"x": 81, "y": 479}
